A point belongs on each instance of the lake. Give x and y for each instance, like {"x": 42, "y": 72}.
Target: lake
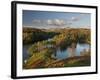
{"x": 71, "y": 51}
{"x": 62, "y": 54}
{"x": 25, "y": 52}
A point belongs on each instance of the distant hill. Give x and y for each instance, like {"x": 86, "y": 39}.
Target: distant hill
{"x": 26, "y": 29}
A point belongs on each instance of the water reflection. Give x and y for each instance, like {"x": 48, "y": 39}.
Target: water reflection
{"x": 75, "y": 49}
{"x": 72, "y": 50}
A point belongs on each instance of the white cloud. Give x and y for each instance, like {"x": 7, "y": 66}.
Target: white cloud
{"x": 49, "y": 21}
{"x": 53, "y": 22}
{"x": 58, "y": 22}
{"x": 75, "y": 18}
{"x": 36, "y": 21}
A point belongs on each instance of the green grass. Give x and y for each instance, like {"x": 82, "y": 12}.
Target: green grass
{"x": 78, "y": 63}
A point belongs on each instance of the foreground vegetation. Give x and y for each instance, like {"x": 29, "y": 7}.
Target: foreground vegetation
{"x": 45, "y": 42}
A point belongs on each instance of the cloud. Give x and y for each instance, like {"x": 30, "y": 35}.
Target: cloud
{"x": 58, "y": 22}
{"x": 52, "y": 22}
{"x": 75, "y": 18}
{"x": 49, "y": 21}
{"x": 36, "y": 21}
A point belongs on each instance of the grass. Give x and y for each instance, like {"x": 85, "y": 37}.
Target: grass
{"x": 78, "y": 63}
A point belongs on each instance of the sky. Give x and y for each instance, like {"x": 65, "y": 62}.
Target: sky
{"x": 50, "y": 19}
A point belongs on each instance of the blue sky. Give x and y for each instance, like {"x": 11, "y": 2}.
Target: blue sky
{"x": 47, "y": 19}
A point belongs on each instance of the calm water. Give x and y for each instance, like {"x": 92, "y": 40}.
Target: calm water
{"x": 25, "y": 51}
{"x": 62, "y": 54}
{"x": 70, "y": 52}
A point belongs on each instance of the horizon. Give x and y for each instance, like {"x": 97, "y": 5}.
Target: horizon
{"x": 58, "y": 28}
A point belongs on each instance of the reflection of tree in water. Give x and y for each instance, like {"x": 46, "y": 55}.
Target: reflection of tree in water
{"x": 72, "y": 50}
{"x": 85, "y": 52}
